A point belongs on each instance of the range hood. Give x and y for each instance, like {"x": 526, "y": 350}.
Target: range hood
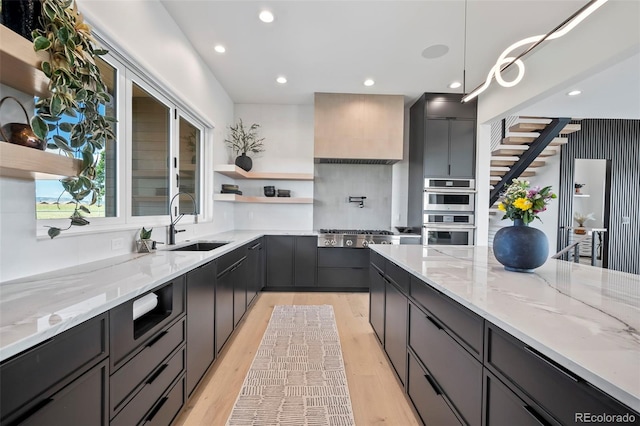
{"x": 358, "y": 129}
{"x": 353, "y": 161}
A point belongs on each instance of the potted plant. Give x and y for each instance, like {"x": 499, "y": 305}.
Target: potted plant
{"x": 145, "y": 244}
{"x": 521, "y": 248}
{"x": 581, "y": 219}
{"x": 77, "y": 92}
{"x": 243, "y": 141}
{"x": 578, "y": 186}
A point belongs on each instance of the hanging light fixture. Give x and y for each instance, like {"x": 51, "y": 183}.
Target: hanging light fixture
{"x": 500, "y": 67}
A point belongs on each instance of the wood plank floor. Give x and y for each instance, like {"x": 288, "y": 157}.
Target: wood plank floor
{"x": 376, "y": 394}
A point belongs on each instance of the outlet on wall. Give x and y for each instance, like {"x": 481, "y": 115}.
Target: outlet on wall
{"x": 117, "y": 243}
{"x": 626, "y": 220}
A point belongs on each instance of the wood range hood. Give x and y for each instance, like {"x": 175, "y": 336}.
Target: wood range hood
{"x": 357, "y": 128}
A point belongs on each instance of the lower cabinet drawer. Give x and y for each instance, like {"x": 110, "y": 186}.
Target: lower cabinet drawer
{"x": 427, "y": 399}
{"x": 455, "y": 370}
{"x": 560, "y": 392}
{"x": 152, "y": 390}
{"x": 139, "y": 369}
{"x": 168, "y": 407}
{"x": 82, "y": 402}
{"x": 343, "y": 277}
{"x": 505, "y": 408}
{"x": 60, "y": 358}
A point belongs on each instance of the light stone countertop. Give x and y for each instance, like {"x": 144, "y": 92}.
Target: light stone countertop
{"x": 586, "y": 319}
{"x": 36, "y": 308}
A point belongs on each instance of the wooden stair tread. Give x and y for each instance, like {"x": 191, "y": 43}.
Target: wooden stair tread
{"x": 518, "y": 152}
{"x": 526, "y": 173}
{"x": 523, "y": 140}
{"x": 532, "y": 127}
{"x": 510, "y": 161}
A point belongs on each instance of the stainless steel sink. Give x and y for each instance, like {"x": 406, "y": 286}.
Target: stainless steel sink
{"x": 201, "y": 246}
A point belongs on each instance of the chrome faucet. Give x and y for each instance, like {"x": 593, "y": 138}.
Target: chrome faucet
{"x": 172, "y": 227}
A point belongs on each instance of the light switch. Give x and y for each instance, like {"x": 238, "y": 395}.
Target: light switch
{"x": 626, "y": 220}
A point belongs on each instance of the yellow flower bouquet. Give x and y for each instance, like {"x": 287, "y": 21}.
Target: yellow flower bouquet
{"x": 520, "y": 201}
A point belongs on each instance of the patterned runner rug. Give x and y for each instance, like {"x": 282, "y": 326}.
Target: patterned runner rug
{"x": 297, "y": 376}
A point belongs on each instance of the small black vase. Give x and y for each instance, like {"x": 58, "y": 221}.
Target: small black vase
{"x": 21, "y": 16}
{"x": 520, "y": 248}
{"x": 244, "y": 162}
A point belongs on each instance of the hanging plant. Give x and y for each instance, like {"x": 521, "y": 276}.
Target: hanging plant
{"x": 76, "y": 90}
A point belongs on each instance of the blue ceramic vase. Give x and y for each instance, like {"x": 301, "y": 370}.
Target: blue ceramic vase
{"x": 520, "y": 248}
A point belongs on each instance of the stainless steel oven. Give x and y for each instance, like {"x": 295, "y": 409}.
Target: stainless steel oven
{"x": 435, "y": 218}
{"x": 449, "y": 200}
{"x": 448, "y": 235}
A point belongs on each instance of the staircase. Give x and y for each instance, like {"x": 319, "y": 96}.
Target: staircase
{"x": 525, "y": 147}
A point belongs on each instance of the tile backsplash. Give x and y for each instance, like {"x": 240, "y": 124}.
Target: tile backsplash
{"x": 335, "y": 183}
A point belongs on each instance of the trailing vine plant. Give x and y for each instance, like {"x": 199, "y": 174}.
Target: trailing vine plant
{"x": 76, "y": 90}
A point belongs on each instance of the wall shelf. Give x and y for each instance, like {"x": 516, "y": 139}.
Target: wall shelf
{"x": 235, "y": 172}
{"x": 20, "y": 65}
{"x": 266, "y": 200}
{"x": 28, "y": 163}
{"x": 582, "y": 195}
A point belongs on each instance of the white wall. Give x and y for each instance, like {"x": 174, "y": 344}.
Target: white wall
{"x": 144, "y": 31}
{"x": 288, "y": 133}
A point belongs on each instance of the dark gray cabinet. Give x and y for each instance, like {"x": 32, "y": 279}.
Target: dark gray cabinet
{"x": 442, "y": 144}
{"x": 58, "y": 381}
{"x": 201, "y": 287}
{"x": 291, "y": 261}
{"x": 229, "y": 273}
{"x": 255, "y": 269}
{"x": 343, "y": 268}
{"x": 376, "y": 301}
{"x": 395, "y": 329}
{"x": 240, "y": 286}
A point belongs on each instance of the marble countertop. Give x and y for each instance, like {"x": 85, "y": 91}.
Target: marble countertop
{"x": 38, "y": 307}
{"x": 586, "y": 319}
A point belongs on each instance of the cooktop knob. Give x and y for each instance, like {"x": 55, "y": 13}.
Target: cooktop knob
{"x": 349, "y": 242}
{"x": 327, "y": 242}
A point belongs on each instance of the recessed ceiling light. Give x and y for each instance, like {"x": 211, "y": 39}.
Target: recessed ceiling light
{"x": 369, "y": 82}
{"x": 281, "y": 80}
{"x": 455, "y": 85}
{"x": 219, "y": 48}
{"x": 266, "y": 16}
{"x": 574, "y": 92}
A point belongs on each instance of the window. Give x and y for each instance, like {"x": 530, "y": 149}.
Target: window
{"x": 156, "y": 155}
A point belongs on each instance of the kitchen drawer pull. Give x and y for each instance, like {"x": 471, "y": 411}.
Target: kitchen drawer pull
{"x": 552, "y": 364}
{"x": 434, "y": 385}
{"x": 157, "y": 338}
{"x": 537, "y": 417}
{"x": 434, "y": 322}
{"x": 157, "y": 373}
{"x": 157, "y": 408}
{"x": 39, "y": 406}
{"x": 257, "y": 246}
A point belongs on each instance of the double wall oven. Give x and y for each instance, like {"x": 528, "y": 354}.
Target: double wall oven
{"x": 448, "y": 212}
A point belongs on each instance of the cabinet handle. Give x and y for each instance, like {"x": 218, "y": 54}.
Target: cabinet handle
{"x": 552, "y": 364}
{"x": 434, "y": 385}
{"x": 257, "y": 246}
{"x": 39, "y": 406}
{"x": 157, "y": 338}
{"x": 157, "y": 373}
{"x": 537, "y": 417}
{"x": 157, "y": 408}
{"x": 432, "y": 321}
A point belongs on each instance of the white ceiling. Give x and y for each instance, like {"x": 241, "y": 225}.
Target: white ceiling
{"x": 333, "y": 46}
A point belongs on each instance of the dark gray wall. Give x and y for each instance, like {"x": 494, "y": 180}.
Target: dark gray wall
{"x": 618, "y": 141}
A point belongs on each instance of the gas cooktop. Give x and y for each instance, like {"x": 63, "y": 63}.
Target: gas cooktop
{"x": 355, "y": 238}
{"x": 356, "y": 231}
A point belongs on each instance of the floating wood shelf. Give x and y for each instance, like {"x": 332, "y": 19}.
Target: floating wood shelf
{"x": 233, "y": 171}
{"x": 267, "y": 200}
{"x": 28, "y": 163}
{"x": 20, "y": 64}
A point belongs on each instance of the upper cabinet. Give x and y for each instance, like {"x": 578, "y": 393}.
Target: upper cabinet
{"x": 368, "y": 128}
{"x": 442, "y": 140}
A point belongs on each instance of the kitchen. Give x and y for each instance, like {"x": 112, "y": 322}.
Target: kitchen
{"x": 291, "y": 149}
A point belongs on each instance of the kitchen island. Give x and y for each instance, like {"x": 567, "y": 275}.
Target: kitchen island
{"x": 583, "y": 321}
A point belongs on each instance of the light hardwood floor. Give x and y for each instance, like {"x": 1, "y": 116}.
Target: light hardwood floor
{"x": 376, "y": 394}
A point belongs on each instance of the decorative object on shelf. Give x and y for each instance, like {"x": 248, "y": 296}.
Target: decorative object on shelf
{"x": 76, "y": 89}
{"x": 284, "y": 193}
{"x": 581, "y": 219}
{"x": 577, "y": 187}
{"x": 243, "y": 141}
{"x": 20, "y": 134}
{"x": 230, "y": 189}
{"x": 269, "y": 191}
{"x": 521, "y": 248}
{"x": 21, "y": 16}
{"x": 145, "y": 244}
